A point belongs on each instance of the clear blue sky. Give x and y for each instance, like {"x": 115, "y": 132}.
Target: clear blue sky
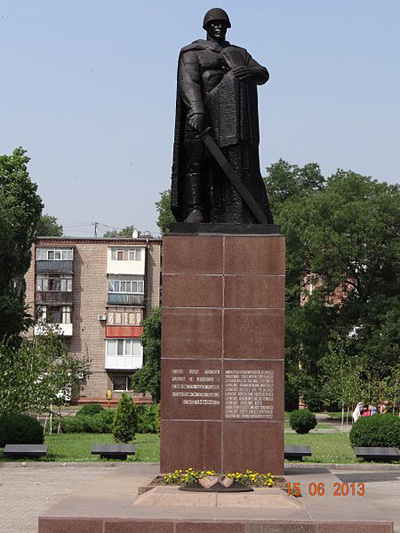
{"x": 87, "y": 87}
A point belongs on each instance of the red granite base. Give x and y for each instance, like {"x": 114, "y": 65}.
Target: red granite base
{"x": 223, "y": 353}
{"x": 112, "y": 525}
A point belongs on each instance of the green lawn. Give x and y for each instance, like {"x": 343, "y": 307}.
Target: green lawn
{"x": 338, "y": 414}
{"x": 74, "y": 447}
{"x": 325, "y": 447}
{"x": 71, "y": 447}
{"x": 320, "y": 425}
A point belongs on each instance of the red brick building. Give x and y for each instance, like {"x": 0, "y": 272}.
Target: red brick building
{"x": 97, "y": 291}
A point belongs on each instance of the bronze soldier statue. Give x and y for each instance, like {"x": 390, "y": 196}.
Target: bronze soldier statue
{"x": 217, "y": 92}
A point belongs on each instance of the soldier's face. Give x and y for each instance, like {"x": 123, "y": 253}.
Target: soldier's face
{"x": 217, "y": 29}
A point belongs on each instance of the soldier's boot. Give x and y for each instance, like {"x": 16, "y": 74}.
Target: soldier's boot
{"x": 195, "y": 197}
{"x": 195, "y": 216}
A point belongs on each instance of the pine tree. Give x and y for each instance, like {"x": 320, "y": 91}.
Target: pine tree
{"x": 125, "y": 420}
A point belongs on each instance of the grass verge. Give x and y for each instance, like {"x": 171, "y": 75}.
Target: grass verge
{"x": 320, "y": 425}
{"x": 325, "y": 448}
{"x": 76, "y": 447}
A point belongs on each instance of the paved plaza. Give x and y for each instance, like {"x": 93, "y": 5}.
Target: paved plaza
{"x": 28, "y": 491}
{"x": 31, "y": 490}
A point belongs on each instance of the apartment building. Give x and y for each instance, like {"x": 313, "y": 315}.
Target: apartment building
{"x": 97, "y": 291}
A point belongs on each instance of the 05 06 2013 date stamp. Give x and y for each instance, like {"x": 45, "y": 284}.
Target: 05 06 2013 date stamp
{"x": 319, "y": 489}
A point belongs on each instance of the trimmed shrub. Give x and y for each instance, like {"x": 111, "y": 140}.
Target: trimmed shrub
{"x": 99, "y": 423}
{"x": 378, "y": 430}
{"x": 146, "y": 421}
{"x": 72, "y": 424}
{"x": 125, "y": 421}
{"x": 146, "y": 418}
{"x": 20, "y": 429}
{"x": 302, "y": 421}
{"x": 90, "y": 409}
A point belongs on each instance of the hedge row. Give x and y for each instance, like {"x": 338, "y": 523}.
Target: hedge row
{"x": 377, "y": 430}
{"x": 101, "y": 421}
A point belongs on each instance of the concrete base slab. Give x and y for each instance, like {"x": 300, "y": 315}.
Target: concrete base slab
{"x": 110, "y": 505}
{"x": 259, "y": 498}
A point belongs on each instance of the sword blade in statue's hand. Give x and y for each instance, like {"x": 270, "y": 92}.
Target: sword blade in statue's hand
{"x": 229, "y": 172}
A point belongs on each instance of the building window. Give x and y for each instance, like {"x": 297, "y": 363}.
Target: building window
{"x": 135, "y": 254}
{"x": 54, "y": 254}
{"x": 121, "y": 382}
{"x": 124, "y": 318}
{"x": 127, "y": 285}
{"x": 55, "y": 315}
{"x": 53, "y": 282}
{"x": 126, "y": 254}
{"x": 66, "y": 314}
{"x": 124, "y": 347}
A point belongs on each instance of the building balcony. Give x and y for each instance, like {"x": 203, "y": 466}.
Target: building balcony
{"x": 53, "y": 297}
{"x": 54, "y": 266}
{"x": 123, "y": 362}
{"x": 123, "y": 332}
{"x": 115, "y": 298}
{"x": 62, "y": 329}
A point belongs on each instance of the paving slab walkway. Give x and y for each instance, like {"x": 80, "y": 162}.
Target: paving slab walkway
{"x": 30, "y": 490}
{"x": 87, "y": 489}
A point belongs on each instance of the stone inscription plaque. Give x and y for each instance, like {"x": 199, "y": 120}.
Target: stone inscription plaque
{"x": 194, "y": 386}
{"x": 249, "y": 394}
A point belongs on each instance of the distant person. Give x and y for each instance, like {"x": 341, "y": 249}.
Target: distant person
{"x": 382, "y": 408}
{"x": 367, "y": 411}
{"x": 357, "y": 411}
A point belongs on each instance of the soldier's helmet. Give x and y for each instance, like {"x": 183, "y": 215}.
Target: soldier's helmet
{"x": 216, "y": 14}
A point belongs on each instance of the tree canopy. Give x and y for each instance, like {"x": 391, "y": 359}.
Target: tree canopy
{"x": 20, "y": 211}
{"x": 37, "y": 372}
{"x": 148, "y": 378}
{"x": 343, "y": 264}
{"x": 165, "y": 216}
{"x": 48, "y": 226}
{"x": 124, "y": 232}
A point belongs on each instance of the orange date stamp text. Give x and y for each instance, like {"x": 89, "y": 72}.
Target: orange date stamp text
{"x": 319, "y": 489}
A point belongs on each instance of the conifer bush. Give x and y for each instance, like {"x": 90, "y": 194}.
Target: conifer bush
{"x": 20, "y": 429}
{"x": 125, "y": 420}
{"x": 378, "y": 430}
{"x": 302, "y": 421}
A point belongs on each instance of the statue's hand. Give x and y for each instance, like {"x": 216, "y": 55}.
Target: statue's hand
{"x": 197, "y": 122}
{"x": 243, "y": 73}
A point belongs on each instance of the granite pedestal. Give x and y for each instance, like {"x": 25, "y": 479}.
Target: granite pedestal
{"x": 223, "y": 352}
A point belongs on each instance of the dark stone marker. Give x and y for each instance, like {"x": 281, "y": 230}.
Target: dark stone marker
{"x": 223, "y": 352}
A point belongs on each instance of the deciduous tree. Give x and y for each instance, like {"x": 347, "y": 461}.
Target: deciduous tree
{"x": 37, "y": 372}
{"x": 148, "y": 378}
{"x": 343, "y": 257}
{"x": 20, "y": 211}
{"x": 48, "y": 226}
{"x": 165, "y": 216}
{"x": 124, "y": 232}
